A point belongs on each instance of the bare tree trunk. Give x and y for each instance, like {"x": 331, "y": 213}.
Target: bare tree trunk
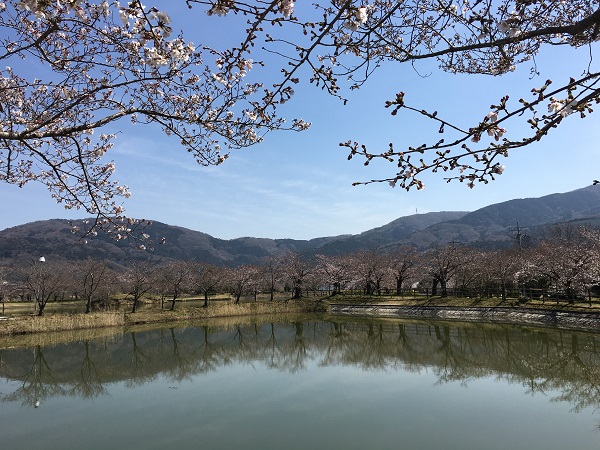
{"x": 297, "y": 292}
{"x": 434, "y": 285}
{"x": 444, "y": 288}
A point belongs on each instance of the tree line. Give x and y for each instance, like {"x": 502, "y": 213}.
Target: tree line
{"x": 565, "y": 265}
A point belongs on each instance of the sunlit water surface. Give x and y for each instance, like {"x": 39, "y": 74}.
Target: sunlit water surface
{"x": 334, "y": 383}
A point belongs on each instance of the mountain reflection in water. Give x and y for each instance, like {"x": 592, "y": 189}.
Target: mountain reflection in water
{"x": 562, "y": 365}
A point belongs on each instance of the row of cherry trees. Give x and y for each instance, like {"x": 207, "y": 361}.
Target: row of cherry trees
{"x": 566, "y": 263}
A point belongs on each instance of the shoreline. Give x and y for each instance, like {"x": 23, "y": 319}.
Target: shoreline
{"x": 588, "y": 321}
{"x": 22, "y": 325}
{"x": 572, "y": 320}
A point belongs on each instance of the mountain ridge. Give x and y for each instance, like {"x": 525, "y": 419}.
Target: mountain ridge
{"x": 487, "y": 227}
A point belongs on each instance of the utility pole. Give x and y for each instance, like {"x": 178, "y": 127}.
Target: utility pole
{"x": 519, "y": 236}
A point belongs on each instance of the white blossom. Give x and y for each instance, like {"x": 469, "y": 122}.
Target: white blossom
{"x": 493, "y": 116}
{"x": 161, "y": 16}
{"x": 124, "y": 17}
{"x": 504, "y": 26}
{"x": 286, "y": 7}
{"x": 359, "y": 17}
{"x": 562, "y": 106}
{"x": 219, "y": 9}
{"x": 498, "y": 169}
{"x": 569, "y": 108}
{"x": 155, "y": 58}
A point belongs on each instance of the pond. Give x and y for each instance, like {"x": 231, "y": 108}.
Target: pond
{"x": 305, "y": 382}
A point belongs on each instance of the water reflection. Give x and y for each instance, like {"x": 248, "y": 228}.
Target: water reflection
{"x": 353, "y": 383}
{"x": 542, "y": 360}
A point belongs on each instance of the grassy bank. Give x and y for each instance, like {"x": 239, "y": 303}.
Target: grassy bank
{"x": 60, "y": 322}
{"x": 67, "y": 322}
{"x": 227, "y": 310}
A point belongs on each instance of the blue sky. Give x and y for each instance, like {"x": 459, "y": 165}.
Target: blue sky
{"x": 299, "y": 185}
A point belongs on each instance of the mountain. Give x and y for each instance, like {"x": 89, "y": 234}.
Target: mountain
{"x": 54, "y": 239}
{"x": 399, "y": 230}
{"x": 488, "y": 227}
{"x": 494, "y": 225}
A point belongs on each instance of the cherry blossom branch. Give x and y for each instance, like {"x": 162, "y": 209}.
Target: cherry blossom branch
{"x": 446, "y": 160}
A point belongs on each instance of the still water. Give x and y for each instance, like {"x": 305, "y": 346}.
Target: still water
{"x": 305, "y": 383}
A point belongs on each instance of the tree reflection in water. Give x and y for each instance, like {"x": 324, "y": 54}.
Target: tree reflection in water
{"x": 564, "y": 363}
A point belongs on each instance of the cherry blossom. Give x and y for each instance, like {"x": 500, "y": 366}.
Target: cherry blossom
{"x": 286, "y": 7}
{"x": 357, "y": 18}
{"x": 343, "y": 43}
{"x": 92, "y": 64}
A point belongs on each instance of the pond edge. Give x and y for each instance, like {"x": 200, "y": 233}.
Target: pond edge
{"x": 586, "y": 321}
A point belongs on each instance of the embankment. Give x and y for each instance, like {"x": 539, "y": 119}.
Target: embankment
{"x": 588, "y": 321}
{"x": 66, "y": 322}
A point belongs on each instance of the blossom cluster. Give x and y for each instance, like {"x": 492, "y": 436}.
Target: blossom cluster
{"x": 223, "y": 7}
{"x": 98, "y": 63}
{"x": 563, "y": 107}
{"x": 286, "y": 7}
{"x": 357, "y": 18}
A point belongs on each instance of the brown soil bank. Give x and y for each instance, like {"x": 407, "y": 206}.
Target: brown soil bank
{"x": 578, "y": 320}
